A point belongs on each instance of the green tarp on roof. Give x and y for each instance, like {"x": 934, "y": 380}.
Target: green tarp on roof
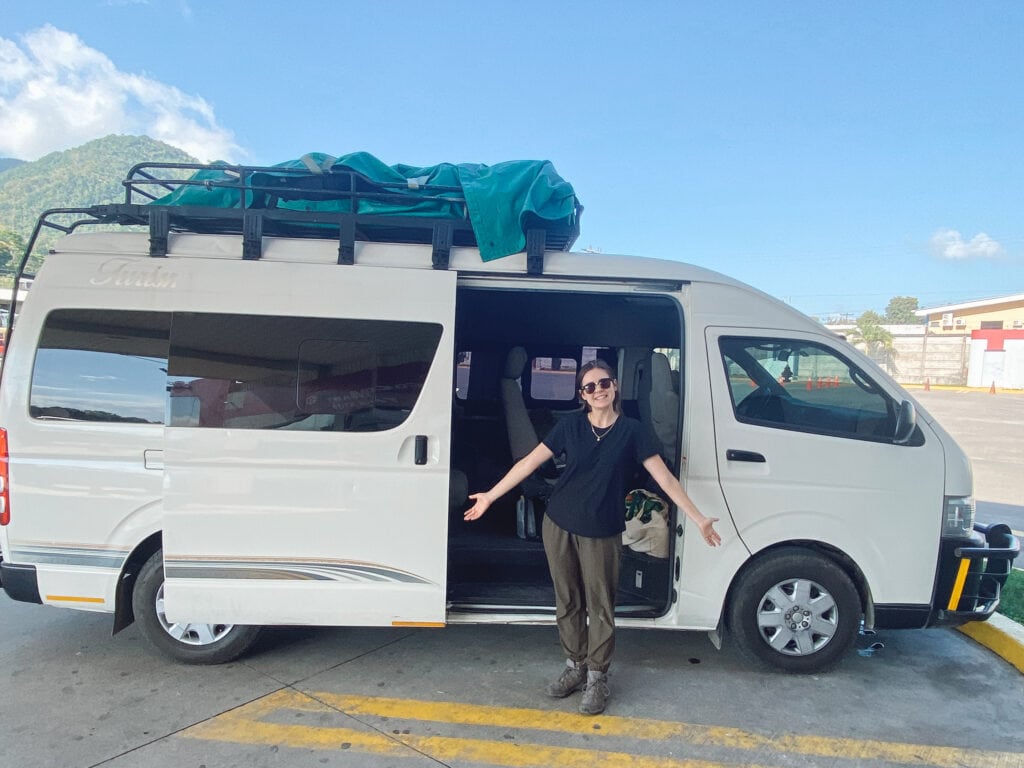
{"x": 501, "y": 201}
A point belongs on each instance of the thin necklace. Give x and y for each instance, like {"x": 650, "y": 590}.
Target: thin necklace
{"x": 604, "y": 430}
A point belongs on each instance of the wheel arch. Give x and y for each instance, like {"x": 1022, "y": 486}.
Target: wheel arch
{"x": 827, "y": 551}
{"x": 124, "y": 614}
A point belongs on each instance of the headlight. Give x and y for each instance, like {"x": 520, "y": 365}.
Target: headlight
{"x": 958, "y": 516}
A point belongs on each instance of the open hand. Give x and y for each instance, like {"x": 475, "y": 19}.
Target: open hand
{"x": 708, "y": 532}
{"x": 477, "y": 510}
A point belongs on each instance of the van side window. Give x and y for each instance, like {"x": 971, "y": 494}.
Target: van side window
{"x": 804, "y": 386}
{"x": 305, "y": 373}
{"x": 553, "y": 378}
{"x": 101, "y": 366}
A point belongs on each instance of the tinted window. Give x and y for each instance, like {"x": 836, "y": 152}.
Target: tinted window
{"x": 101, "y": 365}
{"x": 262, "y": 372}
{"x": 800, "y": 385}
{"x": 553, "y": 378}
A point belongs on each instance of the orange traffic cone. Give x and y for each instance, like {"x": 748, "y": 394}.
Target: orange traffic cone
{"x": 992, "y": 389}
{"x": 809, "y": 385}
{"x": 927, "y": 385}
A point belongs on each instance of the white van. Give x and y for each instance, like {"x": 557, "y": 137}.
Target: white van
{"x": 208, "y": 428}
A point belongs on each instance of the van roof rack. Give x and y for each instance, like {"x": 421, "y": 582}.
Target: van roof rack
{"x": 306, "y": 202}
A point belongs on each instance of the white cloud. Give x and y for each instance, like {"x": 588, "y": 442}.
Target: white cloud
{"x": 56, "y": 92}
{"x": 950, "y": 244}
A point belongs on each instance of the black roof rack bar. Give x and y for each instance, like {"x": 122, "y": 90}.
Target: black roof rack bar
{"x": 441, "y": 243}
{"x": 279, "y": 188}
{"x": 347, "y": 241}
{"x": 281, "y": 222}
{"x": 346, "y": 184}
{"x": 285, "y": 223}
{"x": 159, "y": 231}
{"x": 252, "y": 236}
{"x": 136, "y": 188}
{"x": 536, "y": 240}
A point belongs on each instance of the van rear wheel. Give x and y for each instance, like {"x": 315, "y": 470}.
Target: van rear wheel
{"x": 190, "y": 643}
{"x": 795, "y": 611}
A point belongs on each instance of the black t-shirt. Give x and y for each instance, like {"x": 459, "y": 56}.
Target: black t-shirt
{"x": 589, "y": 497}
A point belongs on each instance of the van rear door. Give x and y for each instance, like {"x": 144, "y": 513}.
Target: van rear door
{"x": 307, "y": 446}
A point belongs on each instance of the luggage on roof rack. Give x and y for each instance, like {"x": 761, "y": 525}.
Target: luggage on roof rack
{"x": 500, "y": 209}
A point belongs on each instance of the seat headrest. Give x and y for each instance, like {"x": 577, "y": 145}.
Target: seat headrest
{"x": 515, "y": 363}
{"x": 661, "y": 372}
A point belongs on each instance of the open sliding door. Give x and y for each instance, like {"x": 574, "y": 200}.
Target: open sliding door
{"x": 307, "y": 447}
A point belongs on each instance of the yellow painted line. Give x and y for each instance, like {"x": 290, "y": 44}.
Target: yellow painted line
{"x": 441, "y": 748}
{"x": 958, "y": 584}
{"x": 418, "y": 624}
{"x": 73, "y": 599}
{"x": 247, "y": 725}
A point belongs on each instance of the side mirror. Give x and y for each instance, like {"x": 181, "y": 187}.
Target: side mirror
{"x": 906, "y": 423}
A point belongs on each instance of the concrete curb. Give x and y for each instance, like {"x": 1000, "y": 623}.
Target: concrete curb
{"x": 1001, "y": 636}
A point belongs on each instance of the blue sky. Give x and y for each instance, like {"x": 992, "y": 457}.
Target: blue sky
{"x": 834, "y": 155}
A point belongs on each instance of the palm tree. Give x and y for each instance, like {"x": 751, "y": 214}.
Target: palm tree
{"x": 877, "y": 342}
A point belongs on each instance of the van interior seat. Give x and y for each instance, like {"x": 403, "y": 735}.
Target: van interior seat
{"x": 522, "y": 438}
{"x": 664, "y": 402}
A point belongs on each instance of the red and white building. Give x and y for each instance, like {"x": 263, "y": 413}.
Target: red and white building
{"x": 996, "y": 329}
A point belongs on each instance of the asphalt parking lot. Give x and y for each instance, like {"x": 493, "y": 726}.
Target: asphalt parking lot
{"x": 471, "y": 696}
{"x": 462, "y": 696}
{"x": 989, "y": 428}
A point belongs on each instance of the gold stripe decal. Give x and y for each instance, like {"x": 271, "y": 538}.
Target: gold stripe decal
{"x": 74, "y": 599}
{"x": 456, "y": 733}
{"x": 958, "y": 584}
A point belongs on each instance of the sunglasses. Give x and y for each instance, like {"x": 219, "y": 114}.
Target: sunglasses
{"x": 590, "y": 387}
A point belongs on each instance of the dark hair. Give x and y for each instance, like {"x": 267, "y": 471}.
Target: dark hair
{"x": 601, "y": 365}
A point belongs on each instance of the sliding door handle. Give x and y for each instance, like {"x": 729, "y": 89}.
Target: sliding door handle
{"x": 752, "y": 456}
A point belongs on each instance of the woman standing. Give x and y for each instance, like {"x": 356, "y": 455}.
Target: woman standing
{"x": 584, "y": 521}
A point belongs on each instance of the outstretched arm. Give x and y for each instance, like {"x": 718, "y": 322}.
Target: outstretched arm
{"x": 670, "y": 485}
{"x": 521, "y": 470}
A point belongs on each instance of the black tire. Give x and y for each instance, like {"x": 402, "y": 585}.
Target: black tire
{"x": 795, "y": 611}
{"x": 190, "y": 643}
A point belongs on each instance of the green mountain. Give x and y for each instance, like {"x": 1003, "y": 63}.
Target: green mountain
{"x": 87, "y": 175}
{"x": 9, "y": 162}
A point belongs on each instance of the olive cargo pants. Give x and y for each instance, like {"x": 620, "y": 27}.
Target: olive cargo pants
{"x": 585, "y": 572}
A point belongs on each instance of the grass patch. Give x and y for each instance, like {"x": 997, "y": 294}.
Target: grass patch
{"x": 1011, "y": 603}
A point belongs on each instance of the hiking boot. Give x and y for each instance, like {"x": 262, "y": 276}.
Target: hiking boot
{"x": 572, "y": 678}
{"x": 596, "y": 694}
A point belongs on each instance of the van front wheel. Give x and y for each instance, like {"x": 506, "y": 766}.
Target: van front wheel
{"x": 795, "y": 611}
{"x": 190, "y": 643}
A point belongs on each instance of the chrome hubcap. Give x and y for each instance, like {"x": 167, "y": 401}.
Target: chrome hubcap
{"x": 797, "y": 617}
